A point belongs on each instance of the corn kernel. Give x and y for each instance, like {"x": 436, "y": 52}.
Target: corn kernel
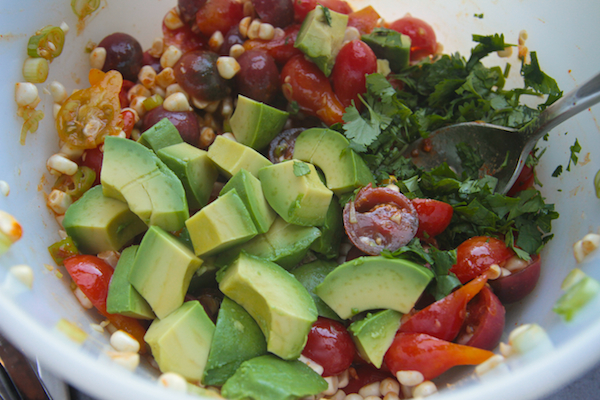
{"x": 253, "y": 29}
{"x": 216, "y": 41}
{"x": 165, "y": 77}
{"x": 124, "y": 342}
{"x": 227, "y": 67}
{"x": 244, "y": 25}
{"x": 236, "y": 50}
{"x": 58, "y": 164}
{"x": 266, "y": 31}
{"x": 170, "y": 57}
{"x": 98, "y": 57}
{"x": 157, "y": 48}
{"x": 147, "y": 76}
{"x": 425, "y": 389}
{"x": 172, "y": 20}
{"x": 58, "y": 92}
{"x": 23, "y": 273}
{"x": 26, "y": 94}
{"x": 128, "y": 360}
{"x": 177, "y": 102}
{"x": 59, "y": 201}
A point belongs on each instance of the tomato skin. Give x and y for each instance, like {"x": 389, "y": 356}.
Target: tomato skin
{"x": 128, "y": 122}
{"x": 184, "y": 39}
{"x": 429, "y": 355}
{"x": 123, "y": 98}
{"x": 354, "y": 61}
{"x": 444, "y": 318}
{"x": 92, "y": 275}
{"x": 303, "y": 82}
{"x": 386, "y": 218}
{"x": 303, "y": 7}
{"x": 281, "y": 49}
{"x": 339, "y": 6}
{"x": 365, "y": 19}
{"x": 363, "y": 375}
{"x": 475, "y": 256}
{"x": 484, "y": 323}
{"x": 434, "y": 217}
{"x": 330, "y": 345}
{"x": 92, "y": 158}
{"x": 219, "y": 15}
{"x": 516, "y": 286}
{"x": 423, "y": 40}
{"x": 525, "y": 180}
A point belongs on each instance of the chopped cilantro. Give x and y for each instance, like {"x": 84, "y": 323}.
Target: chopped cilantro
{"x": 327, "y": 14}
{"x": 480, "y": 16}
{"x": 301, "y": 169}
{"x": 575, "y": 150}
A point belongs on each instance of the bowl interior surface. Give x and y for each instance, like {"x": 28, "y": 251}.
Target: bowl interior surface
{"x": 562, "y": 33}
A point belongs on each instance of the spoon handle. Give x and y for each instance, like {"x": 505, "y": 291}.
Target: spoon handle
{"x": 575, "y": 101}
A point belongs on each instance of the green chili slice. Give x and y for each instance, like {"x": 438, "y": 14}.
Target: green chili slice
{"x": 78, "y": 184}
{"x": 62, "y": 250}
{"x": 83, "y": 8}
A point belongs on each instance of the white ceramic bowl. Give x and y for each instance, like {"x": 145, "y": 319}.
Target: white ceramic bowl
{"x": 564, "y": 34}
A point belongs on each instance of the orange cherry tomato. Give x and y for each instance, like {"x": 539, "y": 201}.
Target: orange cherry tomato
{"x": 280, "y": 48}
{"x": 219, "y": 15}
{"x": 365, "y": 19}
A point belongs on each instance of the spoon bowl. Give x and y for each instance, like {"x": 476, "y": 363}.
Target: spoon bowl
{"x": 504, "y": 150}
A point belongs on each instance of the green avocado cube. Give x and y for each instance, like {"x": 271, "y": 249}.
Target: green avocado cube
{"x": 390, "y": 45}
{"x": 237, "y": 338}
{"x": 162, "y": 271}
{"x": 161, "y": 134}
{"x": 300, "y": 198}
{"x": 231, "y": 156}
{"x": 181, "y": 341}
{"x": 249, "y": 189}
{"x": 122, "y": 297}
{"x": 221, "y": 225}
{"x": 255, "y": 124}
{"x": 196, "y": 171}
{"x": 374, "y": 334}
{"x": 97, "y": 223}
{"x": 270, "y": 378}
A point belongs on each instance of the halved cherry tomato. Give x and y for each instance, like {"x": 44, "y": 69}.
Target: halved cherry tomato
{"x": 476, "y": 255}
{"x": 88, "y": 115}
{"x": 444, "y": 318}
{"x": 354, "y": 61}
{"x": 330, "y": 345}
{"x": 423, "y": 40}
{"x": 484, "y": 322}
{"x": 128, "y": 122}
{"x": 519, "y": 284}
{"x": 429, "y": 355}
{"x": 183, "y": 38}
{"x": 380, "y": 218}
{"x": 524, "y": 181}
{"x": 434, "y": 217}
{"x": 123, "y": 99}
{"x": 92, "y": 275}
{"x": 92, "y": 158}
{"x": 364, "y": 19}
{"x": 364, "y": 374}
{"x": 280, "y": 48}
{"x": 304, "y": 83}
{"x": 219, "y": 15}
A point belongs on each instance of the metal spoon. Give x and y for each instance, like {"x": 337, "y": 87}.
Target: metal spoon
{"x": 497, "y": 144}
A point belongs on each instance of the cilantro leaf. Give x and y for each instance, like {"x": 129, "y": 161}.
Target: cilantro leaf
{"x": 301, "y": 168}
{"x": 575, "y": 150}
{"x": 327, "y": 14}
{"x": 487, "y": 45}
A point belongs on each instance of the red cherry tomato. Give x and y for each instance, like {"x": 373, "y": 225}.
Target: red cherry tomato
{"x": 330, "y": 345}
{"x": 219, "y": 15}
{"x": 92, "y": 275}
{"x": 517, "y": 285}
{"x": 92, "y": 158}
{"x": 484, "y": 322}
{"x": 184, "y": 39}
{"x": 444, "y": 318}
{"x": 524, "y": 181}
{"x": 364, "y": 19}
{"x": 429, "y": 355}
{"x": 123, "y": 100}
{"x": 354, "y": 61}
{"x": 128, "y": 122}
{"x": 363, "y": 375}
{"x": 434, "y": 217}
{"x": 339, "y": 6}
{"x": 380, "y": 218}
{"x": 475, "y": 256}
{"x": 280, "y": 48}
{"x": 302, "y": 8}
{"x": 423, "y": 41}
{"x": 304, "y": 83}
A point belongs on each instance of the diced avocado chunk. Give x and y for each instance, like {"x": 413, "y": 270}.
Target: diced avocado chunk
{"x": 231, "y": 156}
{"x": 390, "y": 45}
{"x": 122, "y": 297}
{"x": 237, "y": 338}
{"x": 284, "y": 244}
{"x": 249, "y": 189}
{"x": 221, "y": 225}
{"x": 97, "y": 223}
{"x": 328, "y": 244}
{"x": 255, "y": 124}
{"x": 162, "y": 271}
{"x": 321, "y": 37}
{"x": 280, "y": 305}
{"x": 194, "y": 169}
{"x": 372, "y": 283}
{"x": 161, "y": 134}
{"x": 300, "y": 199}
{"x": 134, "y": 174}
{"x": 270, "y": 378}
{"x": 329, "y": 150}
{"x": 181, "y": 341}
{"x": 374, "y": 334}
{"x": 310, "y": 276}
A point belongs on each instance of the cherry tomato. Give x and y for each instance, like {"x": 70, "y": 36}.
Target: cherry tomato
{"x": 364, "y": 19}
{"x": 123, "y": 99}
{"x": 434, "y": 217}
{"x": 92, "y": 275}
{"x": 330, "y": 345}
{"x": 302, "y": 8}
{"x": 282, "y": 147}
{"x": 92, "y": 158}
{"x": 524, "y": 181}
{"x": 429, "y": 355}
{"x": 280, "y": 48}
{"x": 519, "y": 284}
{"x": 380, "y": 218}
{"x": 219, "y": 15}
{"x": 484, "y": 322}
{"x": 184, "y": 39}
{"x": 339, "y": 6}
{"x": 475, "y": 256}
{"x": 88, "y": 115}
{"x": 423, "y": 40}
{"x": 354, "y": 61}
{"x": 128, "y": 122}
{"x": 363, "y": 375}
{"x": 304, "y": 83}
{"x": 444, "y": 318}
